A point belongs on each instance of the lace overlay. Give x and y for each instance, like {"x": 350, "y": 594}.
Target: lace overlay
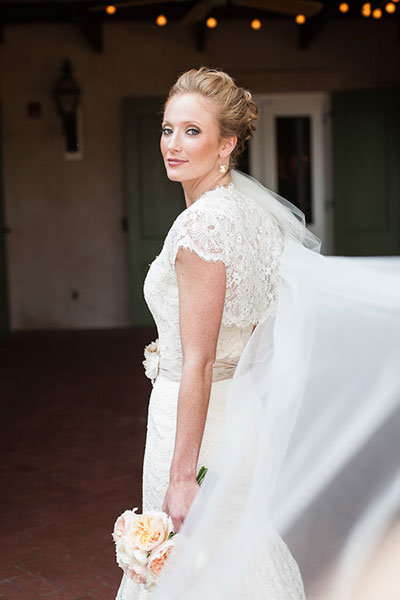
{"x": 226, "y": 226}
{"x": 222, "y": 225}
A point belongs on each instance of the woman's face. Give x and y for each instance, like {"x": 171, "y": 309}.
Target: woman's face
{"x": 190, "y": 141}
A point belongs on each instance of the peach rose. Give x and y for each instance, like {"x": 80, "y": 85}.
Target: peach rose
{"x": 122, "y": 523}
{"x": 150, "y": 530}
{"x": 159, "y": 555}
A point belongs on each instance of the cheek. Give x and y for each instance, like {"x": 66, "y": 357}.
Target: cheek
{"x": 203, "y": 149}
{"x": 162, "y": 145}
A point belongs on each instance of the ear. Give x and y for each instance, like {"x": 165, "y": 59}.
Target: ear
{"x": 227, "y": 145}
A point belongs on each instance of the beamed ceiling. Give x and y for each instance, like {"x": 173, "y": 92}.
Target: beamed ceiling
{"x": 90, "y": 15}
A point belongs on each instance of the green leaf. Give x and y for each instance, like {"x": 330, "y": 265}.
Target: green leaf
{"x": 201, "y": 474}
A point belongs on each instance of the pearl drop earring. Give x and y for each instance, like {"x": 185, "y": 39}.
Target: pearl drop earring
{"x": 223, "y": 169}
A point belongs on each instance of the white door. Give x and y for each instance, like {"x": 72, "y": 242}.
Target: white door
{"x": 290, "y": 154}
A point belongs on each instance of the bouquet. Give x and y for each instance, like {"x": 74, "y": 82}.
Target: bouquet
{"x": 144, "y": 542}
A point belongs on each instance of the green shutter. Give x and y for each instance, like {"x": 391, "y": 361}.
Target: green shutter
{"x": 366, "y": 174}
{"x": 153, "y": 200}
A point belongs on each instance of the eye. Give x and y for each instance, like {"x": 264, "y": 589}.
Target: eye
{"x": 193, "y": 131}
{"x": 166, "y": 130}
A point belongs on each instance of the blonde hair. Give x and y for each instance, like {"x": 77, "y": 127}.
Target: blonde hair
{"x": 236, "y": 111}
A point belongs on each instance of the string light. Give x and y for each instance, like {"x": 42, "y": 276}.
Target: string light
{"x": 111, "y": 9}
{"x": 377, "y": 13}
{"x": 161, "y": 20}
{"x": 256, "y": 24}
{"x": 390, "y": 8}
{"x": 366, "y": 9}
{"x": 300, "y": 19}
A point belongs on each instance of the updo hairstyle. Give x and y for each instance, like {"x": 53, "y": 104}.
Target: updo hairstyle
{"x": 236, "y": 111}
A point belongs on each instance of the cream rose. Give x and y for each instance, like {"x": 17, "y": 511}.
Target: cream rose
{"x": 124, "y": 553}
{"x": 150, "y": 530}
{"x": 122, "y": 523}
{"x": 141, "y": 557}
{"x": 128, "y": 558}
{"x": 152, "y": 360}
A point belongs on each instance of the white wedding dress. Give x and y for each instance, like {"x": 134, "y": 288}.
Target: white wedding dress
{"x": 228, "y": 226}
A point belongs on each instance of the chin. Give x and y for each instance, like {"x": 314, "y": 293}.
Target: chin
{"x": 173, "y": 176}
{"x": 177, "y": 175}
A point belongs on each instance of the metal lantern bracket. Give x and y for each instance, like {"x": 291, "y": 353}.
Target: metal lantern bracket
{"x": 67, "y": 95}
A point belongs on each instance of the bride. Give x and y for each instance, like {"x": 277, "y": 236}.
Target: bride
{"x": 236, "y": 290}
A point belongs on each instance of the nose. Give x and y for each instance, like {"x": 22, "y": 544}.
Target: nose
{"x": 174, "y": 142}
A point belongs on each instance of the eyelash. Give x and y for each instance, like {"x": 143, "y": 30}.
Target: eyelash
{"x": 165, "y": 129}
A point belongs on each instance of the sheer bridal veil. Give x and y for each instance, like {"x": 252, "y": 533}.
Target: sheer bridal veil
{"x": 311, "y": 441}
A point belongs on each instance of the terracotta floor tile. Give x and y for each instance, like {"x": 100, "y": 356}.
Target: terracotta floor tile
{"x": 37, "y": 563}
{"x": 71, "y": 451}
{"x": 8, "y": 572}
{"x": 7, "y": 588}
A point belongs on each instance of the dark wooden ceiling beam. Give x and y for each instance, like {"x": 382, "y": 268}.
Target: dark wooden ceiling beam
{"x": 92, "y": 27}
{"x": 199, "y": 34}
{"x": 29, "y": 12}
{"x": 398, "y": 27}
{"x": 311, "y": 29}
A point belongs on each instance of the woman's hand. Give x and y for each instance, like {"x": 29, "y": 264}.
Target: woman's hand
{"x": 178, "y": 500}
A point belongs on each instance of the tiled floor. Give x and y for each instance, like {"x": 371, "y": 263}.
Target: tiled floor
{"x": 73, "y": 423}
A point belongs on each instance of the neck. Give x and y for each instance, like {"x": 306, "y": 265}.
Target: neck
{"x": 195, "y": 188}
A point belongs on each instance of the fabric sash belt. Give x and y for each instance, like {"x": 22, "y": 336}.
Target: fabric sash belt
{"x": 171, "y": 368}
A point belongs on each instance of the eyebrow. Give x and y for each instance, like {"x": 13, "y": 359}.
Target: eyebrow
{"x": 184, "y": 123}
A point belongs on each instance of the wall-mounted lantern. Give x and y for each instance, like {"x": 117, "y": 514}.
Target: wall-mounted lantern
{"x": 67, "y": 94}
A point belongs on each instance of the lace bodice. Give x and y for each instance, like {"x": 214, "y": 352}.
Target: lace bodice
{"x": 222, "y": 225}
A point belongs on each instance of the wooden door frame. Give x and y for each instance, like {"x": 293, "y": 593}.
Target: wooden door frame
{"x": 317, "y": 105}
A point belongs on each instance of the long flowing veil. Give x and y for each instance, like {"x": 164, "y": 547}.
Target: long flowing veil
{"x": 310, "y": 449}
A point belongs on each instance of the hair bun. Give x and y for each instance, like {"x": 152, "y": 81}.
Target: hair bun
{"x": 237, "y": 112}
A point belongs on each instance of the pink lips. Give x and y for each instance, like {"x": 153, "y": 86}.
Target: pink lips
{"x": 173, "y": 162}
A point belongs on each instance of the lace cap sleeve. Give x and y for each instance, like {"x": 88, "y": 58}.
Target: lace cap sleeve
{"x": 204, "y": 230}
{"x": 237, "y": 232}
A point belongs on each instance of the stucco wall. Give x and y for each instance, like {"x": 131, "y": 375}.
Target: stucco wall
{"x": 65, "y": 215}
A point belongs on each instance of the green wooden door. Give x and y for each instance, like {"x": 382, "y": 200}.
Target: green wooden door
{"x": 366, "y": 174}
{"x": 4, "y": 320}
{"x": 153, "y": 200}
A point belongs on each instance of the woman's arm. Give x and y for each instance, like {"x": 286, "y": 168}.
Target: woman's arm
{"x": 201, "y": 286}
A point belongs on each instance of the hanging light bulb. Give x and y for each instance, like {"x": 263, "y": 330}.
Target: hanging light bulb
{"x": 111, "y": 9}
{"x": 344, "y": 7}
{"x": 161, "y": 20}
{"x": 256, "y": 24}
{"x": 366, "y": 9}
{"x": 377, "y": 13}
{"x": 300, "y": 19}
{"x": 390, "y": 8}
{"x": 211, "y": 22}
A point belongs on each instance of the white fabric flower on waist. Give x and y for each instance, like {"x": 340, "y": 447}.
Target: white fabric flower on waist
{"x": 152, "y": 360}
